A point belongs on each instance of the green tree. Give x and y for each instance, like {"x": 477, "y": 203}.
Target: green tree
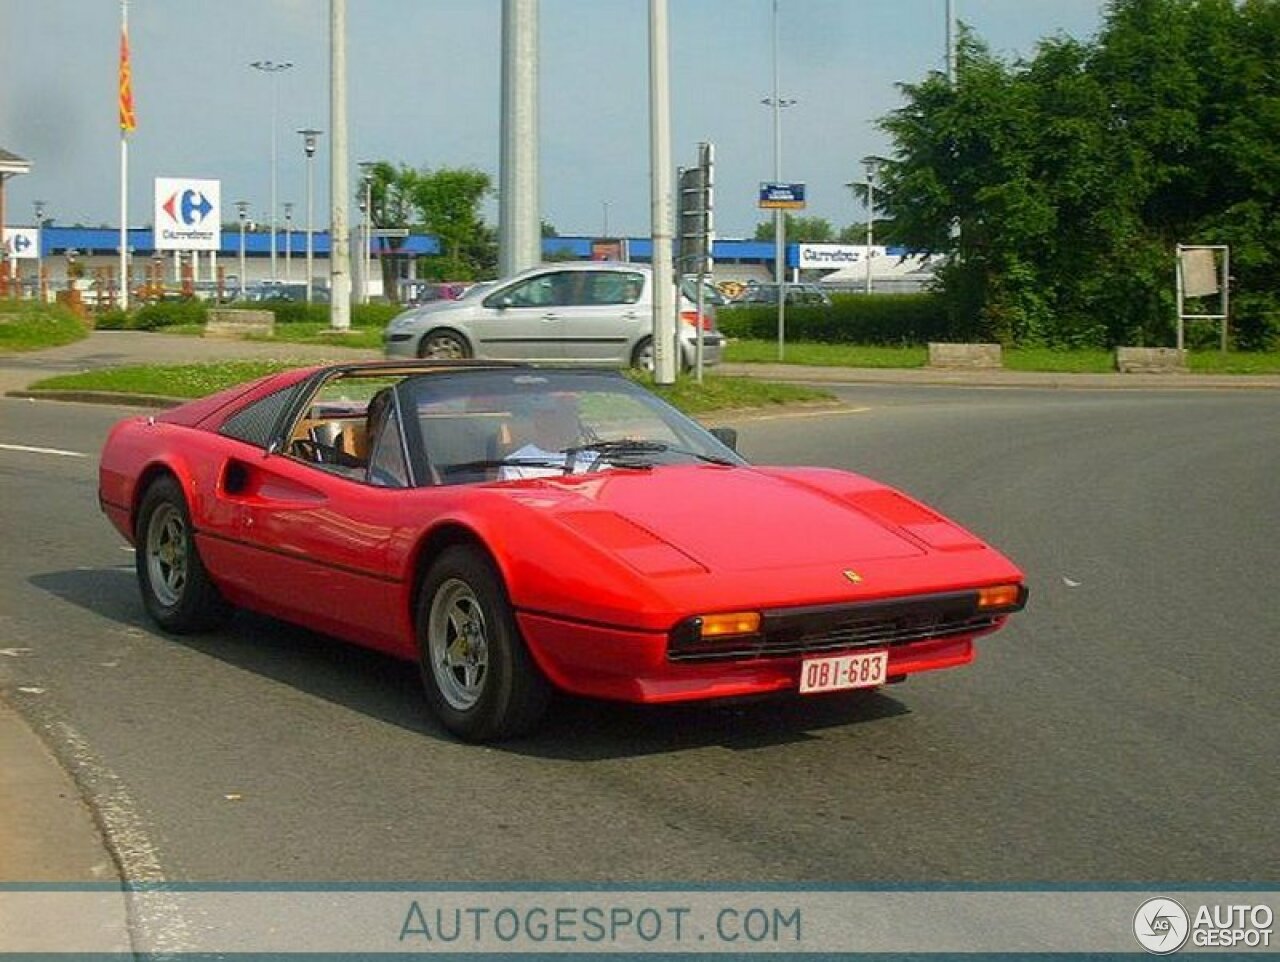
{"x": 805, "y": 230}
{"x": 1071, "y": 176}
{"x": 444, "y": 203}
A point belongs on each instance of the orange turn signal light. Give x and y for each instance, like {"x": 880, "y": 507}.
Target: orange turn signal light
{"x": 736, "y": 623}
{"x": 999, "y": 596}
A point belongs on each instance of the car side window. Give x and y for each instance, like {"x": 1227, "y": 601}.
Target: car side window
{"x": 255, "y": 423}
{"x": 387, "y": 466}
{"x": 538, "y": 291}
{"x": 614, "y": 287}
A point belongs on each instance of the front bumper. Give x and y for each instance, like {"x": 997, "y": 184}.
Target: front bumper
{"x": 633, "y": 666}
{"x": 400, "y": 343}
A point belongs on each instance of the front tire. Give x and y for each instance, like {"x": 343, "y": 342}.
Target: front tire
{"x": 480, "y": 679}
{"x": 444, "y": 345}
{"x": 176, "y": 589}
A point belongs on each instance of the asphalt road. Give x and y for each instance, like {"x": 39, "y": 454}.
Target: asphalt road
{"x": 1126, "y": 727}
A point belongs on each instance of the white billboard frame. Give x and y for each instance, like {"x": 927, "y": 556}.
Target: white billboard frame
{"x": 188, "y": 214}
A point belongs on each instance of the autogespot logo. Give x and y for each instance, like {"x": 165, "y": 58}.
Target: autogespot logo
{"x": 1161, "y": 925}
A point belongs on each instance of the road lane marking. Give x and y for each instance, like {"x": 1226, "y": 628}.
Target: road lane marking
{"x": 796, "y": 415}
{"x": 57, "y": 452}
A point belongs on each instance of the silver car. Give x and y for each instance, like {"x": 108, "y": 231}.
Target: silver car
{"x": 596, "y": 313}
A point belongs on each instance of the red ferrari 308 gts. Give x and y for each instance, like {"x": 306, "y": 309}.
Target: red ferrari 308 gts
{"x": 517, "y": 529}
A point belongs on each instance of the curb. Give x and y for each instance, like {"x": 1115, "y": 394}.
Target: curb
{"x": 1045, "y": 380}
{"x": 100, "y": 397}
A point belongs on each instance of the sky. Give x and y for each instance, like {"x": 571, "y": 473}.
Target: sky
{"x": 424, "y": 91}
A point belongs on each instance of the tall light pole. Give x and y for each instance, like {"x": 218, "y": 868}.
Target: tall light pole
{"x": 273, "y": 68}
{"x": 242, "y": 209}
{"x": 776, "y": 102}
{"x": 872, "y": 165}
{"x": 666, "y": 362}
{"x": 38, "y": 206}
{"x": 288, "y": 240}
{"x": 951, "y": 42}
{"x": 339, "y": 233}
{"x": 309, "y": 136}
{"x": 519, "y": 221}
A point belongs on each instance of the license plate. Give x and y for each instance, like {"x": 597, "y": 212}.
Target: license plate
{"x": 840, "y": 672}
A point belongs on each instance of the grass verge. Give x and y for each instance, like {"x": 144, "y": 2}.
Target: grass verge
{"x": 32, "y": 326}
{"x": 310, "y": 332}
{"x": 197, "y": 380}
{"x": 165, "y": 380}
{"x": 825, "y": 355}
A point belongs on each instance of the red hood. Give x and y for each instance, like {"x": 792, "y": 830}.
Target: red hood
{"x": 731, "y": 519}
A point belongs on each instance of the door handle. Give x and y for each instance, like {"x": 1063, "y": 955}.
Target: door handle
{"x": 550, "y": 316}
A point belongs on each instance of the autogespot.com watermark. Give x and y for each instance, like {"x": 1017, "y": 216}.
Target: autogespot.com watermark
{"x": 1163, "y": 926}
{"x": 673, "y": 925}
{"x": 482, "y": 921}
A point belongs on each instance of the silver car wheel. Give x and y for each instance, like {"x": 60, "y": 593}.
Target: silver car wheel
{"x": 644, "y": 356}
{"x": 443, "y": 346}
{"x": 458, "y": 644}
{"x": 167, "y": 554}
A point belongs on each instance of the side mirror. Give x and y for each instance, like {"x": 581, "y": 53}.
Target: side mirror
{"x": 726, "y": 436}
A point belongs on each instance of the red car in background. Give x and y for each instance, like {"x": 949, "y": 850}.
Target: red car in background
{"x": 517, "y": 530}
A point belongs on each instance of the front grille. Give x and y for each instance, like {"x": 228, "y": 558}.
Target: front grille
{"x": 884, "y": 624}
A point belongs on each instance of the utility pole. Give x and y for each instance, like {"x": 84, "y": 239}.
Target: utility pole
{"x": 664, "y": 302}
{"x": 339, "y": 235}
{"x": 519, "y": 219}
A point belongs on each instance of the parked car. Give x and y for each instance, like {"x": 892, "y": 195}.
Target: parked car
{"x": 796, "y": 294}
{"x": 268, "y": 291}
{"x": 596, "y": 313}
{"x": 517, "y": 530}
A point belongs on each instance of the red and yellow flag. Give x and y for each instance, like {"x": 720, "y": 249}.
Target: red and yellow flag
{"x": 127, "y": 119}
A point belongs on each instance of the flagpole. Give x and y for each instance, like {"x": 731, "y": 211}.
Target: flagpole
{"x": 124, "y": 176}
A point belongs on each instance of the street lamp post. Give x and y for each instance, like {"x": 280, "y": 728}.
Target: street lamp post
{"x": 777, "y": 103}
{"x": 242, "y": 209}
{"x": 872, "y": 167}
{"x": 40, "y": 244}
{"x": 288, "y": 241}
{"x": 272, "y": 68}
{"x": 309, "y": 135}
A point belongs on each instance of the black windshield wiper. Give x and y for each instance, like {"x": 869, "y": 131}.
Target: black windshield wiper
{"x": 628, "y": 447}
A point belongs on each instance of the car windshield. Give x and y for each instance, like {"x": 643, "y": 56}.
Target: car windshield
{"x": 476, "y": 426}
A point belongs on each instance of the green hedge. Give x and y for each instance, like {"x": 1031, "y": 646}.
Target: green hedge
{"x": 850, "y": 319}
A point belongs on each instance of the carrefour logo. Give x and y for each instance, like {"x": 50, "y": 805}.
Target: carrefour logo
{"x": 187, "y": 213}
{"x": 188, "y": 206}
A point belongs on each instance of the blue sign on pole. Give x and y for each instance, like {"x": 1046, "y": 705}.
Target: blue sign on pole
{"x": 781, "y": 196}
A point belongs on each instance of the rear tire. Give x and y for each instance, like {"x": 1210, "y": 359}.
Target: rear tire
{"x": 444, "y": 345}
{"x": 480, "y": 680}
{"x": 176, "y": 589}
{"x": 642, "y": 357}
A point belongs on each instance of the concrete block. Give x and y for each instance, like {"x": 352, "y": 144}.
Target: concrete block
{"x": 1151, "y": 360}
{"x": 235, "y": 322}
{"x": 971, "y": 356}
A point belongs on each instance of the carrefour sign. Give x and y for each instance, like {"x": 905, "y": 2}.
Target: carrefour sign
{"x": 832, "y": 257}
{"x": 21, "y": 243}
{"x": 188, "y": 214}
